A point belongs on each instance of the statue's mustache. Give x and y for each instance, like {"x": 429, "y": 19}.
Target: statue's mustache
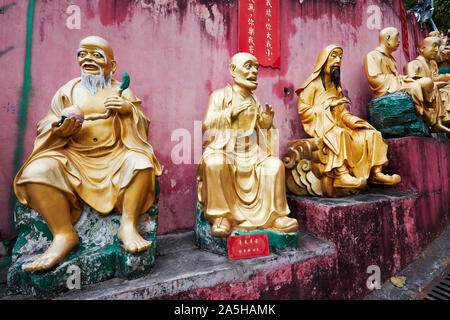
{"x": 91, "y": 63}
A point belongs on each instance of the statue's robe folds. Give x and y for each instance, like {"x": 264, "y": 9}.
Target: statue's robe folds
{"x": 238, "y": 177}
{"x": 357, "y": 149}
{"x": 381, "y": 71}
{"x": 98, "y": 174}
{"x": 421, "y": 68}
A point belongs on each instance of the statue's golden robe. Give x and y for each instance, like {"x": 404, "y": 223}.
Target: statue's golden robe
{"x": 421, "y": 68}
{"x": 238, "y": 177}
{"x": 98, "y": 174}
{"x": 358, "y": 149}
{"x": 381, "y": 71}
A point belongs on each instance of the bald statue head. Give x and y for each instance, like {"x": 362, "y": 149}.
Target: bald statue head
{"x": 244, "y": 70}
{"x": 389, "y": 39}
{"x": 434, "y": 34}
{"x": 96, "y": 59}
{"x": 429, "y": 47}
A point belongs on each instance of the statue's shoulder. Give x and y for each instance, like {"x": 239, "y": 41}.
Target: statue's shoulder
{"x": 68, "y": 86}
{"x": 373, "y": 54}
{"x": 220, "y": 93}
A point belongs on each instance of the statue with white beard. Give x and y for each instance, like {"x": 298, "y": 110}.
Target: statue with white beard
{"x": 106, "y": 163}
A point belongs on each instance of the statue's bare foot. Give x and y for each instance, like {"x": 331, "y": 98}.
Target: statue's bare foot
{"x": 131, "y": 239}
{"x": 62, "y": 244}
{"x": 439, "y": 127}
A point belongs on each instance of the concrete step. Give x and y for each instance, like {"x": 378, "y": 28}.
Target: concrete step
{"x": 182, "y": 271}
{"x": 380, "y": 227}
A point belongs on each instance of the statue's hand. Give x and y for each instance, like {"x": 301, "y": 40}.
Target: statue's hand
{"x": 237, "y": 110}
{"x": 269, "y": 111}
{"x": 69, "y": 127}
{"x": 337, "y": 102}
{"x": 362, "y": 125}
{"x": 116, "y": 103}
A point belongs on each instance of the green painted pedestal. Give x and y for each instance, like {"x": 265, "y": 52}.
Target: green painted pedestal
{"x": 100, "y": 254}
{"x": 204, "y": 240}
{"x": 394, "y": 115}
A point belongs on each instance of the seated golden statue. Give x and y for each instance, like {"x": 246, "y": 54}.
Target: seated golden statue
{"x": 443, "y": 55}
{"x": 106, "y": 163}
{"x": 240, "y": 183}
{"x": 425, "y": 66}
{"x": 346, "y": 151}
{"x": 381, "y": 71}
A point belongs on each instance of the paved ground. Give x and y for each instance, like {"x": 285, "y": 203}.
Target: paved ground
{"x": 181, "y": 266}
{"x": 419, "y": 273}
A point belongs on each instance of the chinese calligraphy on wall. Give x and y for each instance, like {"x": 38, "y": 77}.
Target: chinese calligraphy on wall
{"x": 259, "y": 31}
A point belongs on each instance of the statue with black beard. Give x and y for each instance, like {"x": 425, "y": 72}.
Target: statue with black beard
{"x": 347, "y": 152}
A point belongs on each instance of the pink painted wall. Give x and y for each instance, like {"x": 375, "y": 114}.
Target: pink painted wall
{"x": 176, "y": 53}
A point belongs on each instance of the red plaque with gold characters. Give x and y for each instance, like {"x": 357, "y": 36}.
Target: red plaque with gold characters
{"x": 259, "y": 30}
{"x": 248, "y": 246}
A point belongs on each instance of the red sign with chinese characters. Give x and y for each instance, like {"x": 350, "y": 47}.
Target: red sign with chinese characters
{"x": 405, "y": 39}
{"x": 248, "y": 246}
{"x": 259, "y": 30}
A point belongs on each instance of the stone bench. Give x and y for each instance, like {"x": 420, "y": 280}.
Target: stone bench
{"x": 99, "y": 256}
{"x": 394, "y": 115}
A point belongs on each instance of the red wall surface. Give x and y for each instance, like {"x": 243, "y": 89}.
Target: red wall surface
{"x": 176, "y": 52}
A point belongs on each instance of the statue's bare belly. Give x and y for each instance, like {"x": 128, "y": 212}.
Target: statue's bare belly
{"x": 97, "y": 132}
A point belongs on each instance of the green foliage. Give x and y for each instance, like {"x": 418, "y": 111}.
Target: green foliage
{"x": 441, "y": 16}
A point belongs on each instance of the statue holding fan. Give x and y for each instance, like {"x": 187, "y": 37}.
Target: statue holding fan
{"x": 91, "y": 147}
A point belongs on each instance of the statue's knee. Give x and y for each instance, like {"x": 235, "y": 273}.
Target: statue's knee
{"x": 138, "y": 160}
{"x": 40, "y": 167}
{"x": 427, "y": 83}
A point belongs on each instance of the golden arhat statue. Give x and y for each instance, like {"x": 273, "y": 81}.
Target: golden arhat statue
{"x": 381, "y": 71}
{"x": 241, "y": 184}
{"x": 346, "y": 151}
{"x": 443, "y": 55}
{"x": 106, "y": 163}
{"x": 425, "y": 66}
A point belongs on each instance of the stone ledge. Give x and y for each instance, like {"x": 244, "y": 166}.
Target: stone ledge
{"x": 182, "y": 271}
{"x": 383, "y": 227}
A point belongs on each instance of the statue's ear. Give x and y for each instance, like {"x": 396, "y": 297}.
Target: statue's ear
{"x": 114, "y": 66}
{"x": 232, "y": 68}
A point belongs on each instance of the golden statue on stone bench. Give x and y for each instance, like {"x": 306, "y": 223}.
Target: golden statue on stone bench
{"x": 106, "y": 163}
{"x": 425, "y": 66}
{"x": 241, "y": 184}
{"x": 345, "y": 152}
{"x": 381, "y": 71}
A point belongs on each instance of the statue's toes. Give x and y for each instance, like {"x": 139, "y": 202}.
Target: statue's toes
{"x": 131, "y": 247}
{"x": 35, "y": 265}
{"x": 143, "y": 245}
{"x": 30, "y": 266}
